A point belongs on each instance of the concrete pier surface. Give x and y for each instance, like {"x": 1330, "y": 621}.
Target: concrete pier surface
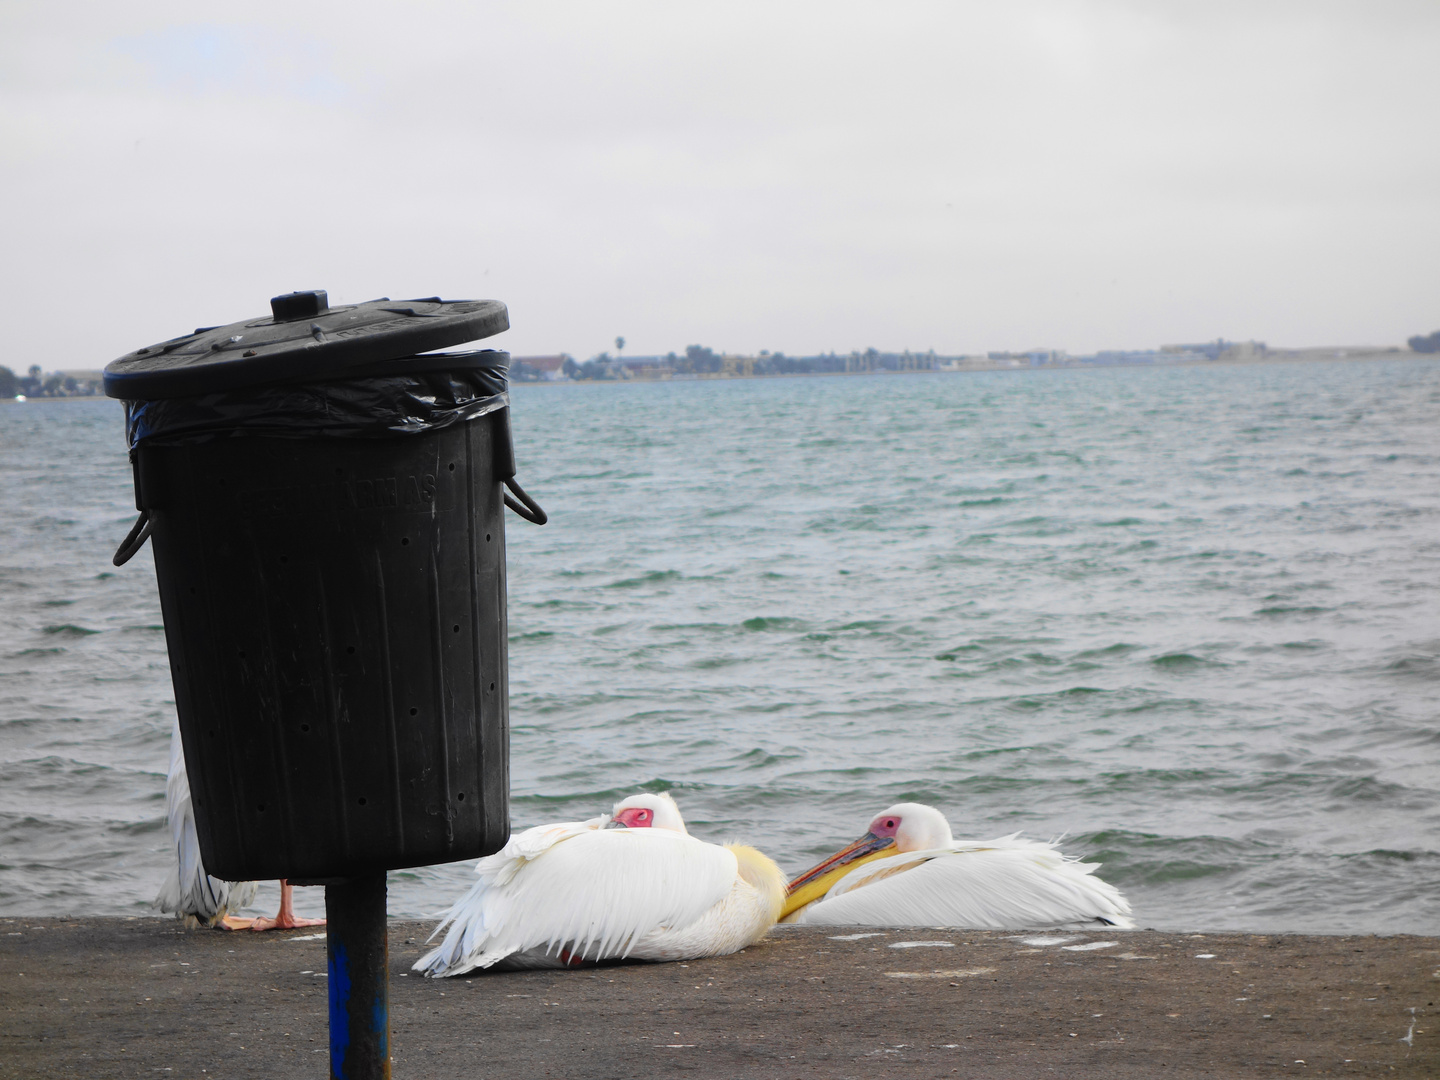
{"x": 100, "y": 997}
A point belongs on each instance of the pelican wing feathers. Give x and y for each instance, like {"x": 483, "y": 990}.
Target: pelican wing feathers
{"x": 1005, "y": 884}
{"x": 562, "y": 894}
{"x": 189, "y": 890}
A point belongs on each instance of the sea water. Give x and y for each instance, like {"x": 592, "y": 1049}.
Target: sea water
{"x": 1187, "y": 619}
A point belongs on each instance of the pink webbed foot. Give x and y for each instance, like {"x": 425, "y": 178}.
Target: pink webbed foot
{"x": 286, "y": 918}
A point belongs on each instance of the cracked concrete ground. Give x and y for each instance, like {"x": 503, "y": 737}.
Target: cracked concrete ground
{"x": 144, "y": 997}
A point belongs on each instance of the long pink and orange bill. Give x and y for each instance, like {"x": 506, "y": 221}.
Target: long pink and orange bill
{"x": 817, "y": 881}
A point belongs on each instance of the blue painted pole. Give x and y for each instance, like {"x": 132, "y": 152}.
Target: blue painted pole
{"x": 357, "y": 948}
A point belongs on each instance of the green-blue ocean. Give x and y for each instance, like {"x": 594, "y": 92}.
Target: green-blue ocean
{"x": 1187, "y": 619}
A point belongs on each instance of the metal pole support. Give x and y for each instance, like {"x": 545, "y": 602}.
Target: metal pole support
{"x": 357, "y": 948}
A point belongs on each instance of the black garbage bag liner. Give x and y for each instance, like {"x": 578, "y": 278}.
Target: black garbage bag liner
{"x": 397, "y": 397}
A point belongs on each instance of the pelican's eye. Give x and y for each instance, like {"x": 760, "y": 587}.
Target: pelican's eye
{"x": 885, "y": 826}
{"x": 634, "y": 817}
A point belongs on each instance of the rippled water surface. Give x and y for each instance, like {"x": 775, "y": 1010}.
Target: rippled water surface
{"x": 1188, "y": 618}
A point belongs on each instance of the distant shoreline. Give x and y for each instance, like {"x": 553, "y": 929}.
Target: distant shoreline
{"x": 1271, "y": 356}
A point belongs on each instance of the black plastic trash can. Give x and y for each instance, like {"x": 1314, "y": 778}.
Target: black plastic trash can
{"x": 326, "y": 512}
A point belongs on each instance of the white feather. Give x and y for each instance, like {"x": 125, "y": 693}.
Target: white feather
{"x": 1005, "y": 884}
{"x": 571, "y": 892}
{"x": 189, "y": 890}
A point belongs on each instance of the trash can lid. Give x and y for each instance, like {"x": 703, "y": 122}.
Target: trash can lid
{"x": 302, "y": 338}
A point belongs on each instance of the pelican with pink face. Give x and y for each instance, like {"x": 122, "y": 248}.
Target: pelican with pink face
{"x": 908, "y": 870}
{"x": 648, "y": 811}
{"x": 632, "y": 883}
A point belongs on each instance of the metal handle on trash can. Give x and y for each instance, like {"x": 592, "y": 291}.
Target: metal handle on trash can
{"x": 504, "y": 445}
{"x": 527, "y": 507}
{"x": 135, "y": 540}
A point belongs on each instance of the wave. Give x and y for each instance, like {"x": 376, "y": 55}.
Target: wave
{"x": 1183, "y": 662}
{"x": 653, "y": 577}
{"x": 766, "y": 623}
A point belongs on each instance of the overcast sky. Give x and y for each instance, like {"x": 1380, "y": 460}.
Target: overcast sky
{"x": 788, "y": 176}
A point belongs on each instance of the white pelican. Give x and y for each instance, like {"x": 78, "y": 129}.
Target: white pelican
{"x": 907, "y": 870}
{"x": 192, "y": 894}
{"x": 633, "y": 884}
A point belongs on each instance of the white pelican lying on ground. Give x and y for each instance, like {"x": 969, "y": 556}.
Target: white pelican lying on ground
{"x": 191, "y": 893}
{"x": 907, "y": 870}
{"x": 632, "y": 884}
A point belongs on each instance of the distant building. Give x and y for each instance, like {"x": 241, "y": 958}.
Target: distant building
{"x": 537, "y": 368}
{"x": 1214, "y": 350}
{"x": 737, "y": 367}
{"x": 35, "y": 383}
{"x": 1243, "y": 350}
{"x": 1210, "y": 350}
{"x": 1037, "y": 357}
{"x": 646, "y": 367}
{"x": 966, "y": 362}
